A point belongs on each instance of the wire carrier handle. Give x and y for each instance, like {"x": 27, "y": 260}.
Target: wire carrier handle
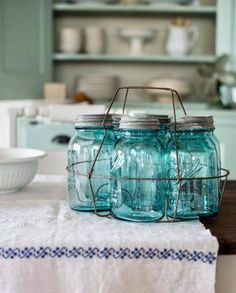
{"x": 127, "y": 88}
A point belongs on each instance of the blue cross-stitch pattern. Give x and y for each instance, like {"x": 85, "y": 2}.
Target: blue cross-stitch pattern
{"x": 106, "y": 253}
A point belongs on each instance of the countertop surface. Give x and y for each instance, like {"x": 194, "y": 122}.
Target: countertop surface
{"x": 223, "y": 226}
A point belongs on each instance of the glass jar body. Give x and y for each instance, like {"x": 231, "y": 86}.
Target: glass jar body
{"x": 138, "y": 154}
{"x": 217, "y": 147}
{"x": 117, "y": 134}
{"x": 197, "y": 158}
{"x": 164, "y": 134}
{"x": 82, "y": 151}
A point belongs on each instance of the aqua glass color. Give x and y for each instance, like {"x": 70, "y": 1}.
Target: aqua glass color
{"x": 138, "y": 154}
{"x": 197, "y": 158}
{"x": 218, "y": 152}
{"x": 217, "y": 147}
{"x": 83, "y": 148}
{"x": 115, "y": 122}
{"x": 164, "y": 133}
{"x": 164, "y": 125}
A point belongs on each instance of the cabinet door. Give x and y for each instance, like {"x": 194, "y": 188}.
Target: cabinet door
{"x": 25, "y": 48}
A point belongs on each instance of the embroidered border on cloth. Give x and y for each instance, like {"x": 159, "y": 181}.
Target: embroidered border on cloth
{"x": 106, "y": 253}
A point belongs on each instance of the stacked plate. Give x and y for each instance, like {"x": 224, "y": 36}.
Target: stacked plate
{"x": 94, "y": 1}
{"x": 183, "y": 87}
{"x": 168, "y": 2}
{"x": 98, "y": 87}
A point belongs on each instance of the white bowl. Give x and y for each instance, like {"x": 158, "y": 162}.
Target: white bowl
{"x": 17, "y": 167}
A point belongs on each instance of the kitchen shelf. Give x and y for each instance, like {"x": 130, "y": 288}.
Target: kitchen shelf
{"x": 62, "y": 57}
{"x": 207, "y": 17}
{"x": 133, "y": 9}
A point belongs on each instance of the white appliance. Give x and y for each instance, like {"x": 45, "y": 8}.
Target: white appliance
{"x": 49, "y": 128}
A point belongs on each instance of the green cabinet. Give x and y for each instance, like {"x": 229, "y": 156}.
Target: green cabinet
{"x": 25, "y": 48}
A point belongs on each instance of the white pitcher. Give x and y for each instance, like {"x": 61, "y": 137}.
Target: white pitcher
{"x": 181, "y": 39}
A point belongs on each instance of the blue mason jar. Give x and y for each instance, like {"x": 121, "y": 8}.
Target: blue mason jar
{"x": 138, "y": 154}
{"x": 215, "y": 141}
{"x": 82, "y": 151}
{"x": 207, "y": 121}
{"x": 198, "y": 161}
{"x": 164, "y": 125}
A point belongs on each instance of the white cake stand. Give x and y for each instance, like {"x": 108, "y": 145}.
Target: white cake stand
{"x": 136, "y": 38}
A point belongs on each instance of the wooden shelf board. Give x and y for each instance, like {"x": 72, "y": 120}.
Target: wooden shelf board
{"x": 115, "y": 8}
{"x": 62, "y": 57}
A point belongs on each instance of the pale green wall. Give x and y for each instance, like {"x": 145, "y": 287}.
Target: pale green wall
{"x": 25, "y": 48}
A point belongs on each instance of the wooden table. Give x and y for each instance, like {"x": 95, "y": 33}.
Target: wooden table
{"x": 223, "y": 226}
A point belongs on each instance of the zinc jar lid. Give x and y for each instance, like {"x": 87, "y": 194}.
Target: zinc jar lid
{"x": 194, "y": 122}
{"x": 133, "y": 122}
{"x": 92, "y": 120}
{"x": 116, "y": 120}
{"x": 163, "y": 119}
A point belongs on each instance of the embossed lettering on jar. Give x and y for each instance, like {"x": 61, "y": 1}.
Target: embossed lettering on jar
{"x": 83, "y": 148}
{"x": 198, "y": 157}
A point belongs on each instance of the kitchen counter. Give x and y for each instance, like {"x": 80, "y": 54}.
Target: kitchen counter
{"x": 223, "y": 226}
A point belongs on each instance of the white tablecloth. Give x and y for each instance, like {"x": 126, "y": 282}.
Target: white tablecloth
{"x": 46, "y": 247}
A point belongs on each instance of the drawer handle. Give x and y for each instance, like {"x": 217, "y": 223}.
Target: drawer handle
{"x": 61, "y": 139}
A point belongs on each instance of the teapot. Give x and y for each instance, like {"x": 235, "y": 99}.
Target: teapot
{"x": 182, "y": 38}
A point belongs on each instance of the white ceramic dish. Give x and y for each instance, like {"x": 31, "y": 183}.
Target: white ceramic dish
{"x": 136, "y": 36}
{"x": 18, "y": 167}
{"x": 133, "y": 32}
{"x": 183, "y": 87}
{"x": 98, "y": 86}
{"x": 92, "y": 2}
{"x": 167, "y": 2}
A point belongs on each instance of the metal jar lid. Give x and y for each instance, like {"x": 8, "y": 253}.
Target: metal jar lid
{"x": 194, "y": 122}
{"x": 163, "y": 119}
{"x": 92, "y": 120}
{"x": 116, "y": 120}
{"x": 134, "y": 122}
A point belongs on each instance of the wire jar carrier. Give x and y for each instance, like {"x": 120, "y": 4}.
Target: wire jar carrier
{"x": 179, "y": 180}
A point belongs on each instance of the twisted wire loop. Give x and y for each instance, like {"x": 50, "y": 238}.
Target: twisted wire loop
{"x": 45, "y": 252}
{"x": 179, "y": 179}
